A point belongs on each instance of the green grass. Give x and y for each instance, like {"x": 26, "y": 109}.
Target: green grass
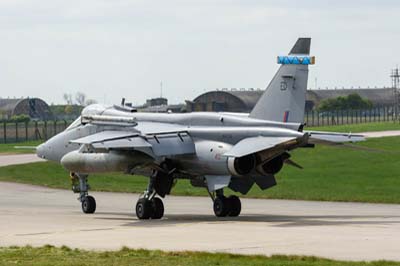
{"x": 53, "y": 175}
{"x": 329, "y": 174}
{"x": 373, "y": 126}
{"x": 10, "y": 148}
{"x": 53, "y": 256}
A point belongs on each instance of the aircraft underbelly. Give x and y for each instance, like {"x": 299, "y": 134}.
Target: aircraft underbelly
{"x": 208, "y": 159}
{"x": 197, "y": 166}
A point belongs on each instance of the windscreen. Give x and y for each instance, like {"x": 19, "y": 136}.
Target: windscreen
{"x": 74, "y": 124}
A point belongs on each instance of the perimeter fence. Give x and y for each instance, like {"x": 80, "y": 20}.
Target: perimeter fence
{"x": 11, "y": 132}
{"x": 343, "y": 117}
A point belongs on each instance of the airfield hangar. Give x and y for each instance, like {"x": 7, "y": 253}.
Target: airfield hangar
{"x": 244, "y": 100}
{"x": 35, "y": 108}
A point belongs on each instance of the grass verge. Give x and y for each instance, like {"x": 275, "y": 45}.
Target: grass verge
{"x": 49, "y": 255}
{"x": 329, "y": 174}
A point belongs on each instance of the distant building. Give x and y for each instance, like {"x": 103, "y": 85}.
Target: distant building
{"x": 33, "y": 107}
{"x": 225, "y": 101}
{"x": 160, "y": 105}
{"x": 245, "y": 100}
{"x": 173, "y": 108}
{"x": 156, "y": 102}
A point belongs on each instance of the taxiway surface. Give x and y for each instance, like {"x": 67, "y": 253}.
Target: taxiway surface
{"x": 13, "y": 159}
{"x": 355, "y": 231}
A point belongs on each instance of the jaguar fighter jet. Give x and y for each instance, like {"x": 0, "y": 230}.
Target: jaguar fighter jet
{"x": 212, "y": 150}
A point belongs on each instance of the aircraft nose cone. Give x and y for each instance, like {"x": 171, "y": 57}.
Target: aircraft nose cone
{"x": 40, "y": 151}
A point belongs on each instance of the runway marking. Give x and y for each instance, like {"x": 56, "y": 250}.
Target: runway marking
{"x": 99, "y": 229}
{"x": 34, "y": 234}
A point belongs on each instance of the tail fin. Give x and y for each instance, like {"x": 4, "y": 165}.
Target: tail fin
{"x": 285, "y": 97}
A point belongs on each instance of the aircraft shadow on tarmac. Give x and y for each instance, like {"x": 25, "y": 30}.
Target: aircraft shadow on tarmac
{"x": 272, "y": 220}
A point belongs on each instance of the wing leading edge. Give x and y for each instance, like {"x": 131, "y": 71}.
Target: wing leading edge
{"x": 155, "y": 145}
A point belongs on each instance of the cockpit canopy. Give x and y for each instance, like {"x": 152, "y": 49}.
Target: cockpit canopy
{"x": 93, "y": 109}
{"x": 74, "y": 124}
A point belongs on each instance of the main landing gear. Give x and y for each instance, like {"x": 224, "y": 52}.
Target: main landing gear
{"x": 149, "y": 206}
{"x": 80, "y": 185}
{"x": 226, "y": 206}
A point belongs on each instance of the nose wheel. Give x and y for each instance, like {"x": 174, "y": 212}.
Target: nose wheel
{"x": 88, "y": 204}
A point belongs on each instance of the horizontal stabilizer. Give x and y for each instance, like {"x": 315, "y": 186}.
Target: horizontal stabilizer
{"x": 256, "y": 144}
{"x": 334, "y": 137}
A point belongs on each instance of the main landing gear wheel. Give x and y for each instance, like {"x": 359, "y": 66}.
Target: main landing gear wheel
{"x": 88, "y": 204}
{"x": 221, "y": 206}
{"x": 230, "y": 206}
{"x": 146, "y": 209}
{"x": 235, "y": 206}
{"x": 158, "y": 208}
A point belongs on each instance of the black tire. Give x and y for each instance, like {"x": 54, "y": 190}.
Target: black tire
{"x": 235, "y": 206}
{"x": 144, "y": 209}
{"x": 88, "y": 204}
{"x": 221, "y": 206}
{"x": 158, "y": 208}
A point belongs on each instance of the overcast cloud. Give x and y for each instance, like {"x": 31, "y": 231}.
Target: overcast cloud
{"x": 115, "y": 48}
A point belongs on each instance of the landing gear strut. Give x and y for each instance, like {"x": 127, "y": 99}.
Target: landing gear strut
{"x": 80, "y": 185}
{"x": 226, "y": 206}
{"x": 149, "y": 206}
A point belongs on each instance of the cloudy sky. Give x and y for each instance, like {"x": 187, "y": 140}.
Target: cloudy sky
{"x": 110, "y": 49}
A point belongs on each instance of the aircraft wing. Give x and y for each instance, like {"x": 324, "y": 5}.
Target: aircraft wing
{"x": 256, "y": 144}
{"x": 333, "y": 137}
{"x": 107, "y": 135}
{"x": 154, "y": 145}
{"x": 158, "y": 128}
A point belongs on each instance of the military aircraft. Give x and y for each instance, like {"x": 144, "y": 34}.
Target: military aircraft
{"x": 212, "y": 150}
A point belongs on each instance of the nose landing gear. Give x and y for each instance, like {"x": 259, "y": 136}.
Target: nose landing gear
{"x": 80, "y": 185}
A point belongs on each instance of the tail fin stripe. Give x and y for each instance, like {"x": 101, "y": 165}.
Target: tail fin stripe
{"x": 286, "y": 116}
